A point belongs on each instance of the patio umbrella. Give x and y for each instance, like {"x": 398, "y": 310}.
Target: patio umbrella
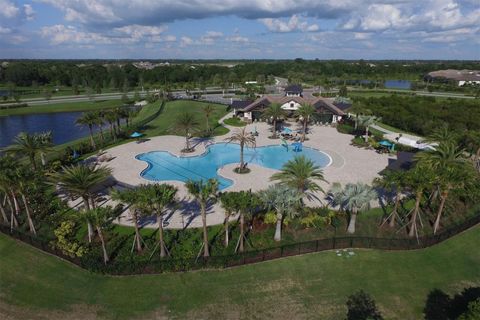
{"x": 385, "y": 143}
{"x": 136, "y": 135}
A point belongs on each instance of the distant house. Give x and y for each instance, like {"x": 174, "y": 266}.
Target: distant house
{"x": 294, "y": 90}
{"x": 460, "y": 77}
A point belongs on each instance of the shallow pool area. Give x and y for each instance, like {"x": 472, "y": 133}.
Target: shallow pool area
{"x": 164, "y": 166}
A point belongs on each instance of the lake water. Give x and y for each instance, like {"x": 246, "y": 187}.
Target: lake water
{"x": 398, "y": 84}
{"x": 61, "y": 124}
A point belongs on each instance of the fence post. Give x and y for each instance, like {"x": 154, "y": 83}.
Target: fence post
{"x": 316, "y": 246}
{"x": 281, "y": 251}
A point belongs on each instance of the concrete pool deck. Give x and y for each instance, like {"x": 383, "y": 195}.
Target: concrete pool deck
{"x": 349, "y": 164}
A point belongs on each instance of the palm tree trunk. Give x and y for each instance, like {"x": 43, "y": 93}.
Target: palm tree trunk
{"x": 413, "y": 220}
{"x": 102, "y": 137}
{"x": 29, "y": 216}
{"x": 241, "y": 157}
{"x": 440, "y": 210}
{"x": 42, "y": 157}
{"x": 92, "y": 141}
{"x": 160, "y": 235}
{"x": 4, "y": 213}
{"x": 225, "y": 227}
{"x": 242, "y": 231}
{"x": 187, "y": 142}
{"x": 304, "y": 129}
{"x": 278, "y": 228}
{"x": 32, "y": 160}
{"x": 104, "y": 247}
{"x": 206, "y": 251}
{"x": 13, "y": 219}
{"x": 208, "y": 125}
{"x": 86, "y": 204}
{"x": 274, "y": 128}
{"x": 138, "y": 238}
{"x": 395, "y": 210}
{"x": 366, "y": 134}
{"x": 352, "y": 222}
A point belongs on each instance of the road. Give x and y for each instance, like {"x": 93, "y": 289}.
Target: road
{"x": 418, "y": 93}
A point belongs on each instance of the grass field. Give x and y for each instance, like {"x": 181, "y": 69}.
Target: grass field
{"x": 34, "y": 285}
{"x": 63, "y": 107}
{"x": 164, "y": 123}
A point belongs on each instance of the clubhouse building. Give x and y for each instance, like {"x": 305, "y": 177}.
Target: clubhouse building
{"x": 326, "y": 111}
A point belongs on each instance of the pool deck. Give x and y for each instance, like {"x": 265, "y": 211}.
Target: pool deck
{"x": 349, "y": 164}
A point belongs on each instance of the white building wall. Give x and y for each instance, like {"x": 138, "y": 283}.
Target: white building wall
{"x": 291, "y": 105}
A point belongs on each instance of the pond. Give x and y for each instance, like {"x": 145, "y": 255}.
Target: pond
{"x": 398, "y": 84}
{"x": 62, "y": 125}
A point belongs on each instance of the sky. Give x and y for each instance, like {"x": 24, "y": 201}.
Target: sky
{"x": 240, "y": 29}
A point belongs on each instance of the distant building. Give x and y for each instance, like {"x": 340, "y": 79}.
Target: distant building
{"x": 251, "y": 82}
{"x": 460, "y": 77}
{"x": 294, "y": 90}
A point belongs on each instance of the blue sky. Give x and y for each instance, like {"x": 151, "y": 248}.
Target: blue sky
{"x": 231, "y": 29}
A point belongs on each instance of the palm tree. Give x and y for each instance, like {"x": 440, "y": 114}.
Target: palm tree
{"x": 451, "y": 169}
{"x": 45, "y": 140}
{"x": 28, "y": 145}
{"x": 111, "y": 117}
{"x": 23, "y": 184}
{"x": 156, "y": 198}
{"x": 284, "y": 200}
{"x": 392, "y": 181}
{"x": 204, "y": 192}
{"x": 8, "y": 181}
{"x": 304, "y": 113}
{"x": 88, "y": 119}
{"x": 80, "y": 181}
{"x": 186, "y": 122}
{"x": 227, "y": 201}
{"x": 130, "y": 197}
{"x": 243, "y": 139}
{"x": 418, "y": 179}
{"x": 442, "y": 135}
{"x": 99, "y": 218}
{"x": 208, "y": 111}
{"x": 354, "y": 198}
{"x": 245, "y": 203}
{"x": 99, "y": 122}
{"x": 275, "y": 113}
{"x": 301, "y": 173}
{"x": 366, "y": 122}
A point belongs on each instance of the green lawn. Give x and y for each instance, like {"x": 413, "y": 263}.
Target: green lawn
{"x": 63, "y": 107}
{"x": 164, "y": 123}
{"x": 315, "y": 286}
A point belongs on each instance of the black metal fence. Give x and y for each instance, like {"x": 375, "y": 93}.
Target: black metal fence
{"x": 155, "y": 265}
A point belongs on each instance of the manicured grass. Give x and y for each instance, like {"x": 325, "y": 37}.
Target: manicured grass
{"x": 63, "y": 107}
{"x": 164, "y": 124}
{"x": 315, "y": 286}
{"x": 235, "y": 122}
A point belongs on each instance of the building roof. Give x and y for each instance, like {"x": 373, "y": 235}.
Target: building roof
{"x": 240, "y": 104}
{"x": 294, "y": 88}
{"x": 458, "y": 75}
{"x": 315, "y": 102}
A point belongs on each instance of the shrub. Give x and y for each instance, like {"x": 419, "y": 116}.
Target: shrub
{"x": 362, "y": 307}
{"x": 345, "y": 128}
{"x": 66, "y": 242}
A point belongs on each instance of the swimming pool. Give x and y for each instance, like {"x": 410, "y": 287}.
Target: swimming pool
{"x": 164, "y": 166}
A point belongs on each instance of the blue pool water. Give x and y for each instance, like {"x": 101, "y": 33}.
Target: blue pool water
{"x": 164, "y": 166}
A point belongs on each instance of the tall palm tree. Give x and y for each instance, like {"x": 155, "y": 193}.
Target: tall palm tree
{"x": 302, "y": 174}
{"x": 156, "y": 198}
{"x": 418, "y": 179}
{"x": 45, "y": 140}
{"x": 275, "y": 113}
{"x": 392, "y": 181}
{"x": 353, "y": 198}
{"x": 208, "y": 111}
{"x": 80, "y": 181}
{"x": 284, "y": 200}
{"x": 99, "y": 218}
{"x": 186, "y": 122}
{"x": 131, "y": 198}
{"x": 366, "y": 122}
{"x": 245, "y": 203}
{"x": 23, "y": 186}
{"x": 244, "y": 139}
{"x": 28, "y": 145}
{"x": 304, "y": 113}
{"x": 227, "y": 200}
{"x": 204, "y": 193}
{"x": 471, "y": 140}
{"x": 111, "y": 118}
{"x": 88, "y": 119}
{"x": 451, "y": 169}
{"x": 99, "y": 122}
{"x": 8, "y": 182}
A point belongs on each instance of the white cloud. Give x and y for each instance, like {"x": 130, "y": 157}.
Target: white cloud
{"x": 5, "y": 30}
{"x": 8, "y": 9}
{"x": 136, "y": 31}
{"x": 29, "y": 12}
{"x": 292, "y": 25}
{"x": 186, "y": 41}
{"x": 61, "y": 34}
{"x": 210, "y": 37}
